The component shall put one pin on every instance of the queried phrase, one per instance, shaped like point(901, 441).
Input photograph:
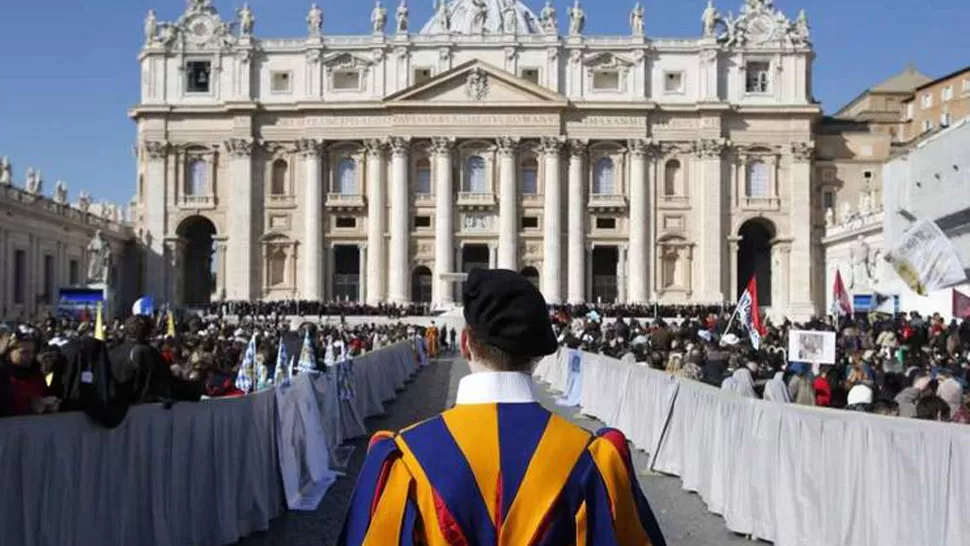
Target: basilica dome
point(481, 17)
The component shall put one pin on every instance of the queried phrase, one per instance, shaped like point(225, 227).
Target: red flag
point(755, 320)
point(841, 305)
point(961, 305)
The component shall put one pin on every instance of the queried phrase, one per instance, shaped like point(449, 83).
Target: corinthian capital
point(442, 145)
point(551, 145)
point(578, 147)
point(803, 151)
point(239, 147)
point(375, 146)
point(710, 148)
point(155, 149)
point(506, 145)
point(400, 145)
point(640, 147)
point(307, 147)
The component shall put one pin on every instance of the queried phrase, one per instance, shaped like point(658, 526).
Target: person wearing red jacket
point(28, 390)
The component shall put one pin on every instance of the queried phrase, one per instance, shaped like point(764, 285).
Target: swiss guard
point(498, 468)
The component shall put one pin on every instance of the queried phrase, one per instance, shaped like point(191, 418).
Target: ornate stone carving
point(803, 151)
point(400, 145)
point(551, 145)
point(510, 24)
point(441, 145)
point(708, 56)
point(548, 19)
point(400, 52)
point(477, 222)
point(6, 171)
point(314, 55)
point(711, 20)
point(640, 147)
point(314, 21)
point(375, 146)
point(576, 55)
point(378, 18)
point(239, 147)
point(246, 20)
point(476, 84)
point(402, 17)
point(307, 147)
point(760, 23)
point(577, 19)
point(710, 148)
point(511, 53)
point(60, 192)
point(637, 20)
point(155, 149)
point(578, 147)
point(84, 201)
point(552, 53)
point(799, 32)
point(506, 145)
point(377, 54)
point(33, 183)
point(244, 54)
point(151, 27)
point(444, 53)
point(99, 258)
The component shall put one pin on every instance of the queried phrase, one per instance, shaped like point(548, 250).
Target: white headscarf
point(776, 391)
point(741, 383)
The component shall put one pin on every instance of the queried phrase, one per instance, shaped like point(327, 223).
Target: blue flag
point(244, 379)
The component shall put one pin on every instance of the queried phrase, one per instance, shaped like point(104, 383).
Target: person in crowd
point(776, 391)
point(932, 408)
point(910, 397)
point(27, 391)
point(860, 398)
point(498, 463)
point(741, 383)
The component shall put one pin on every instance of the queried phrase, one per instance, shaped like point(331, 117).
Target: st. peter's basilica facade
point(375, 167)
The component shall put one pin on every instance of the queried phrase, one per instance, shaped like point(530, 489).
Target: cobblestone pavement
point(683, 516)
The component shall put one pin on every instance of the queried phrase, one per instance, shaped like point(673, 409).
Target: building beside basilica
point(607, 168)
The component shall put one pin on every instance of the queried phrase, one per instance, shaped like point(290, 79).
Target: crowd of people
point(319, 309)
point(65, 365)
point(907, 365)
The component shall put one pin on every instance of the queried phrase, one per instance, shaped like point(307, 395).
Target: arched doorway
point(421, 285)
point(754, 257)
point(532, 274)
point(198, 266)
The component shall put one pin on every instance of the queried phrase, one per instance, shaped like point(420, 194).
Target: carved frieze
point(710, 148)
point(477, 221)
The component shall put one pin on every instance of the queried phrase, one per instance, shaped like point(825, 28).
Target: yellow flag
point(99, 325)
point(170, 325)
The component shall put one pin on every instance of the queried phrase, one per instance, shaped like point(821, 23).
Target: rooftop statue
point(637, 20)
point(378, 18)
point(577, 19)
point(246, 20)
point(402, 17)
point(6, 174)
point(314, 20)
point(477, 17)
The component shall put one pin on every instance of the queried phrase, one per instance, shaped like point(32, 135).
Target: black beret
point(506, 311)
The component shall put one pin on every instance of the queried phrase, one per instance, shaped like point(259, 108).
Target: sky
point(69, 70)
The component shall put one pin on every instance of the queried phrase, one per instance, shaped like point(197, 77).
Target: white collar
point(496, 388)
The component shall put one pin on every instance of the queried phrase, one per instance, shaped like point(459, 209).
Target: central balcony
point(606, 202)
point(345, 201)
point(196, 202)
point(476, 200)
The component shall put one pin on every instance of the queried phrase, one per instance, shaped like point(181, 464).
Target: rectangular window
point(346, 222)
point(280, 82)
point(909, 111)
point(19, 276)
point(828, 200)
point(947, 93)
point(421, 75)
point(945, 119)
point(74, 273)
point(966, 85)
point(927, 125)
point(605, 223)
point(531, 74)
point(48, 279)
point(673, 82)
point(926, 101)
point(530, 222)
point(606, 80)
point(422, 222)
point(346, 80)
point(756, 77)
point(198, 76)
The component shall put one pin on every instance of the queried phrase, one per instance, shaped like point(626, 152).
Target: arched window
point(278, 181)
point(672, 174)
point(347, 176)
point(529, 175)
point(277, 267)
point(196, 179)
point(423, 180)
point(475, 181)
point(604, 182)
point(759, 179)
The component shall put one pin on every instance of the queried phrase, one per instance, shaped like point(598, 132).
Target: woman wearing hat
point(498, 468)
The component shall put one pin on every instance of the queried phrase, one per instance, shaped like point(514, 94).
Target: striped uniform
point(510, 474)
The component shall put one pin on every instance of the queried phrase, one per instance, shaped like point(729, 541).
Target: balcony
point(282, 201)
point(196, 202)
point(606, 202)
point(760, 203)
point(476, 200)
point(345, 201)
point(424, 199)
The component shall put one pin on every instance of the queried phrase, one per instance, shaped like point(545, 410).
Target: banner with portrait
point(573, 394)
point(925, 259)
point(811, 346)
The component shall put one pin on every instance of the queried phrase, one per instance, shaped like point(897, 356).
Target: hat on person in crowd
point(860, 394)
point(506, 311)
point(730, 340)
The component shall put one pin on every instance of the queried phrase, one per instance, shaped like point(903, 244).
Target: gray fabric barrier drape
point(198, 474)
point(793, 475)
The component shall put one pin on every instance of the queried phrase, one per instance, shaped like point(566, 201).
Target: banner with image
point(573, 394)
point(925, 259)
point(810, 346)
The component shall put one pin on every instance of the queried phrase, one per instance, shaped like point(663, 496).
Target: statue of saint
point(710, 18)
point(800, 33)
point(151, 26)
point(829, 217)
point(99, 258)
point(33, 183)
point(479, 15)
point(510, 23)
point(60, 192)
point(547, 17)
point(6, 171)
point(246, 20)
point(314, 20)
point(577, 19)
point(402, 17)
point(378, 18)
point(636, 20)
point(443, 16)
point(84, 201)
point(861, 255)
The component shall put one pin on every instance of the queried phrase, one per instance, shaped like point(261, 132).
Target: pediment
point(476, 82)
point(606, 60)
point(346, 61)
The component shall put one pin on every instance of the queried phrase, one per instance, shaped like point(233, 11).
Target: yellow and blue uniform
point(509, 474)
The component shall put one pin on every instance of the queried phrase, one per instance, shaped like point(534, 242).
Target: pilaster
point(156, 280)
point(710, 217)
point(802, 304)
point(242, 282)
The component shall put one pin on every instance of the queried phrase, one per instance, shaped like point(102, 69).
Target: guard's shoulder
point(382, 441)
point(614, 438)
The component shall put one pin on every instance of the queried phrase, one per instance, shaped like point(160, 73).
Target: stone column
point(444, 208)
point(400, 230)
point(552, 215)
point(639, 224)
point(508, 205)
point(330, 288)
point(221, 267)
point(376, 210)
point(241, 285)
point(156, 272)
point(799, 276)
point(781, 261)
point(493, 256)
point(710, 219)
point(362, 267)
point(576, 219)
point(588, 264)
point(312, 286)
point(622, 277)
point(733, 243)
